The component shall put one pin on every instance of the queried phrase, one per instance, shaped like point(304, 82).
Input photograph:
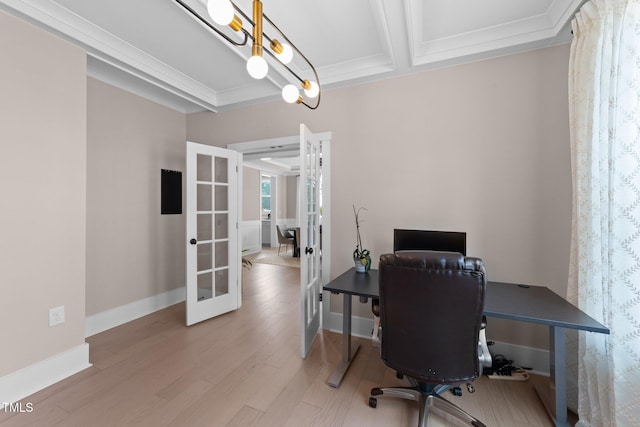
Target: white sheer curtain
point(604, 277)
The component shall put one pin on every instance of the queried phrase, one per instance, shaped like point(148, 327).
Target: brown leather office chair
point(431, 306)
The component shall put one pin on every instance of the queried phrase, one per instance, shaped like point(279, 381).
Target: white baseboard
point(100, 322)
point(534, 358)
point(27, 381)
point(360, 326)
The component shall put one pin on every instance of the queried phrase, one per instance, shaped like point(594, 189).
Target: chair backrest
point(281, 237)
point(431, 305)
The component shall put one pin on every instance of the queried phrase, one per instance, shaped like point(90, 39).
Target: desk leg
point(557, 406)
point(348, 351)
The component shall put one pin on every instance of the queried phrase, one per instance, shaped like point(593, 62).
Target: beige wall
point(133, 252)
point(250, 194)
point(480, 147)
point(204, 131)
point(292, 197)
point(281, 198)
point(42, 183)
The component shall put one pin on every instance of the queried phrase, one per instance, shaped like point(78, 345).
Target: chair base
point(427, 396)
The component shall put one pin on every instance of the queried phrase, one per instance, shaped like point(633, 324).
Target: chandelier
point(225, 12)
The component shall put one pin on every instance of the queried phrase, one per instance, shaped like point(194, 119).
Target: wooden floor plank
point(303, 414)
point(246, 417)
point(184, 396)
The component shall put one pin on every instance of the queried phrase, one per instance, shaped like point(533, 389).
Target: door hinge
point(320, 296)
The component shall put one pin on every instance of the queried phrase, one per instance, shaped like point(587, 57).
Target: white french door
point(213, 255)
point(309, 217)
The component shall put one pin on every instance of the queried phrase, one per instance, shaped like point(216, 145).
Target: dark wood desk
point(534, 304)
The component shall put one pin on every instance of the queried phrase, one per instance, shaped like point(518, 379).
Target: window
point(265, 195)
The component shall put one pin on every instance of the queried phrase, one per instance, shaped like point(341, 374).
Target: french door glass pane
point(205, 231)
point(221, 170)
point(205, 286)
point(203, 198)
point(203, 168)
point(222, 282)
point(205, 256)
point(222, 198)
point(222, 254)
point(222, 226)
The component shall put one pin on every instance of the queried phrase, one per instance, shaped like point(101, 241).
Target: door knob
point(193, 241)
point(308, 250)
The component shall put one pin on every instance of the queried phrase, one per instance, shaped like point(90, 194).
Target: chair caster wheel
point(399, 375)
point(373, 402)
point(456, 391)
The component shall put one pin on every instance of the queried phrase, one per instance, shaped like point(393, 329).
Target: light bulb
point(257, 67)
point(221, 11)
point(287, 54)
point(290, 93)
point(313, 91)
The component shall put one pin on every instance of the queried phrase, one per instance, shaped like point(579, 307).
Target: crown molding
point(107, 48)
point(536, 31)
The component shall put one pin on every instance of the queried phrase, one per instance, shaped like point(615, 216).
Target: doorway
point(282, 156)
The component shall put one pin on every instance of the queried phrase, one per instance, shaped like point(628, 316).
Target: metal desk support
point(348, 350)
point(350, 283)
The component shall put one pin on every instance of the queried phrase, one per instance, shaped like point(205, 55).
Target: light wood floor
point(244, 369)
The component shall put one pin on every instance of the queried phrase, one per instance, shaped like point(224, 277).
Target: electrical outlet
point(56, 316)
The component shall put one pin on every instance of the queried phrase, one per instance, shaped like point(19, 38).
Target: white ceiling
point(155, 49)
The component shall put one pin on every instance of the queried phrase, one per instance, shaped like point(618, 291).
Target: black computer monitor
point(430, 240)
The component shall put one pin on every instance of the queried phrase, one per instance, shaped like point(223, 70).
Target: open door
point(213, 255)
point(309, 217)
